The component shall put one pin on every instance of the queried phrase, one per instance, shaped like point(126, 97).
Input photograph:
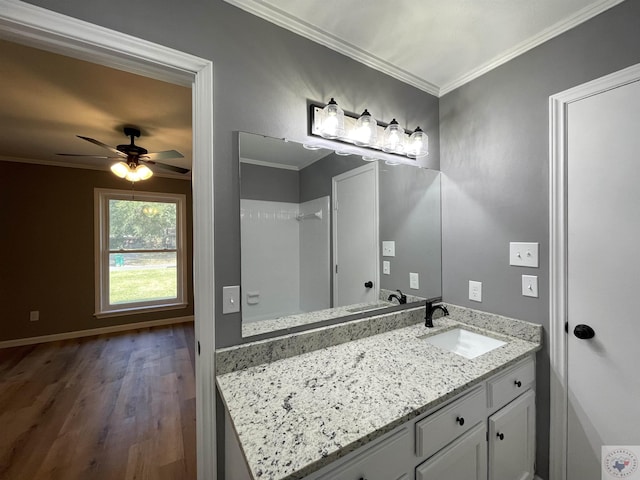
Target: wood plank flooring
point(117, 406)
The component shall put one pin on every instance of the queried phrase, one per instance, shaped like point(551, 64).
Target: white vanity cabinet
point(512, 440)
point(487, 433)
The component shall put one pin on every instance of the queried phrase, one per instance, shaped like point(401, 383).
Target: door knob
point(368, 284)
point(584, 332)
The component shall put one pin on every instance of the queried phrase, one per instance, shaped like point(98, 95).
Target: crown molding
point(293, 24)
point(559, 28)
point(304, 29)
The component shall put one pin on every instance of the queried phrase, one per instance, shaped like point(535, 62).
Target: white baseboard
point(18, 342)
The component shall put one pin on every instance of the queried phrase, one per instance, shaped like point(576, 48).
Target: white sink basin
point(464, 342)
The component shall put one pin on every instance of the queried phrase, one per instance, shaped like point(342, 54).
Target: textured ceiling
point(47, 99)
point(435, 45)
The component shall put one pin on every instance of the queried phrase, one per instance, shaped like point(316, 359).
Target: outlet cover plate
point(388, 249)
point(386, 267)
point(231, 299)
point(475, 291)
point(523, 254)
point(530, 286)
point(414, 281)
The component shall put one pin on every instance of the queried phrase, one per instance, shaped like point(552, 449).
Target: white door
point(355, 236)
point(603, 231)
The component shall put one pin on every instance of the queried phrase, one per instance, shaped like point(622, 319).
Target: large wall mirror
point(328, 236)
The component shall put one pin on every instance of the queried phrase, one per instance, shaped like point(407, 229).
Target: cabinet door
point(466, 458)
point(512, 440)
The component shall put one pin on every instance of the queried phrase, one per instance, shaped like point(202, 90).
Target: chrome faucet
point(402, 299)
point(430, 308)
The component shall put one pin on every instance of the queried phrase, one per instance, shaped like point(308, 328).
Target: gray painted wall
point(263, 78)
point(410, 216)
point(494, 135)
point(267, 183)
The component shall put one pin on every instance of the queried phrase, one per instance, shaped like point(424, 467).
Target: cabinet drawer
point(507, 386)
point(447, 424)
point(387, 460)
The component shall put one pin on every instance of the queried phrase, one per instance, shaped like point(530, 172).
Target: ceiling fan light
point(418, 144)
point(120, 169)
point(332, 121)
point(143, 172)
point(366, 131)
point(393, 138)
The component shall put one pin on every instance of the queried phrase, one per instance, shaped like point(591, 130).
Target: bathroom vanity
point(382, 403)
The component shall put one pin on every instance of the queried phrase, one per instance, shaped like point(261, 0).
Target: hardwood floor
point(118, 406)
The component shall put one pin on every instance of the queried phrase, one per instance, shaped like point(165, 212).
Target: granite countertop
point(295, 415)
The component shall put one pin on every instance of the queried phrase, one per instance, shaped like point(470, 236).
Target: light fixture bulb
point(366, 131)
point(393, 139)
point(144, 172)
point(332, 121)
point(120, 169)
point(418, 144)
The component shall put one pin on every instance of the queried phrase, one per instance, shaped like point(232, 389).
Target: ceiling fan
point(133, 159)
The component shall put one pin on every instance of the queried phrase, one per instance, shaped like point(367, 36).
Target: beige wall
point(47, 245)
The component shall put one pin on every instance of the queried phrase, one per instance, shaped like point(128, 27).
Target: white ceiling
point(434, 45)
point(277, 152)
point(47, 99)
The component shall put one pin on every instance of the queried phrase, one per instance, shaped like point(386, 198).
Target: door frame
point(334, 224)
point(558, 106)
point(41, 28)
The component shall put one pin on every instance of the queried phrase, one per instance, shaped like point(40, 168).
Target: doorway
point(47, 30)
point(594, 227)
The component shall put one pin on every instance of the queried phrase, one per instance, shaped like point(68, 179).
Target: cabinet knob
point(500, 436)
point(460, 420)
point(517, 383)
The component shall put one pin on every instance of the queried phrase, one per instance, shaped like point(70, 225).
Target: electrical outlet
point(414, 281)
point(386, 267)
point(388, 249)
point(475, 291)
point(34, 315)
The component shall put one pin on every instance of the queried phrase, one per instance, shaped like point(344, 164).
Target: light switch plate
point(386, 267)
point(231, 299)
point(414, 281)
point(475, 291)
point(388, 249)
point(523, 254)
point(530, 286)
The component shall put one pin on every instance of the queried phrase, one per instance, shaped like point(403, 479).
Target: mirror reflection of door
point(355, 236)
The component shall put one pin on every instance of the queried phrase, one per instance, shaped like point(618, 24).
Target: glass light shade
point(418, 145)
point(366, 130)
point(141, 172)
point(393, 139)
point(332, 121)
point(368, 158)
point(120, 169)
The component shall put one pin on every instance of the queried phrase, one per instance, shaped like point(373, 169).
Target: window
point(140, 251)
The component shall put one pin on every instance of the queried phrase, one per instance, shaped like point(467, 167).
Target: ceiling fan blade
point(103, 145)
point(87, 156)
point(167, 154)
point(164, 166)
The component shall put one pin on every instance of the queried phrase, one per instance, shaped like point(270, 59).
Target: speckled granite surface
point(297, 414)
point(497, 323)
point(282, 323)
point(285, 346)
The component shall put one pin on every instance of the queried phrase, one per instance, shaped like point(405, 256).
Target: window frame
point(103, 308)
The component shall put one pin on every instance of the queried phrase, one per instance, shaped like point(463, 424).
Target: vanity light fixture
point(332, 121)
point(393, 139)
point(364, 132)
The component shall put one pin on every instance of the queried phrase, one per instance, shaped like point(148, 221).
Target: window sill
point(139, 310)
